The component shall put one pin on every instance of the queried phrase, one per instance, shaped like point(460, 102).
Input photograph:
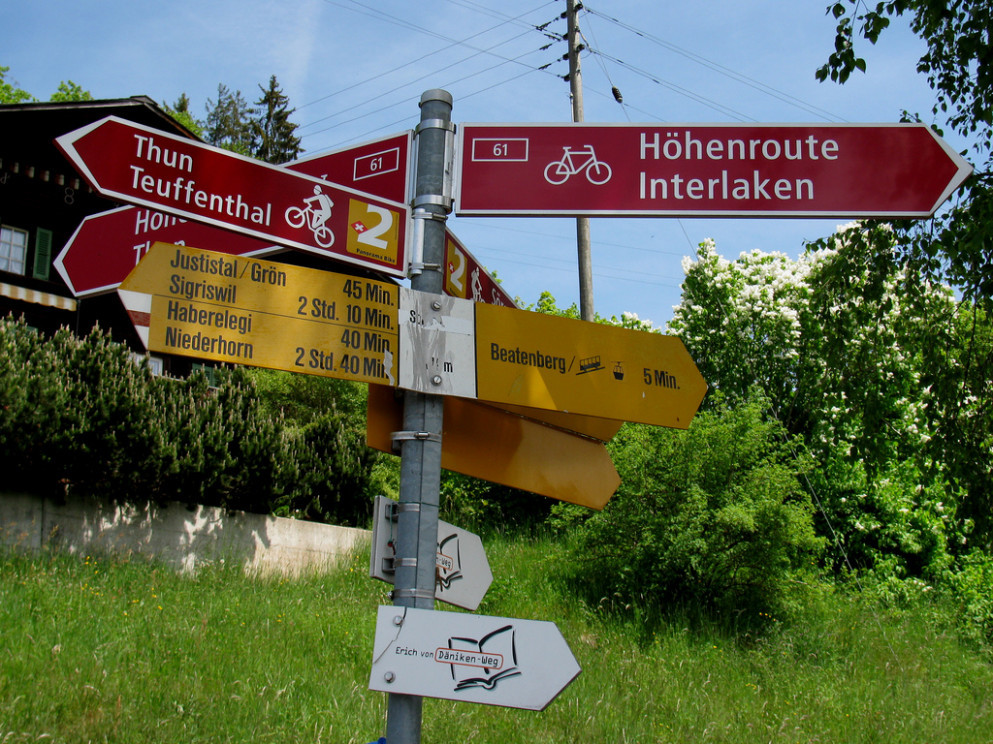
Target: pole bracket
point(417, 436)
point(398, 507)
point(413, 593)
point(436, 200)
point(419, 267)
point(445, 124)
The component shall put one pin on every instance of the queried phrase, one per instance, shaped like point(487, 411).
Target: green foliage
point(970, 586)
point(956, 245)
point(330, 479)
point(485, 508)
point(958, 62)
point(75, 412)
point(302, 399)
point(546, 305)
point(877, 370)
point(905, 373)
point(714, 516)
point(273, 129)
point(9, 93)
point(69, 91)
point(959, 387)
point(742, 323)
point(331, 475)
point(897, 525)
point(81, 414)
point(180, 111)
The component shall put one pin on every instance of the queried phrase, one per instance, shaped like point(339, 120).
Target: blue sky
point(355, 69)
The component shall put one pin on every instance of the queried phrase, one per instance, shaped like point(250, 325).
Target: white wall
point(177, 535)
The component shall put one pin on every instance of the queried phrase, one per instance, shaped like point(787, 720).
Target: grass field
point(98, 649)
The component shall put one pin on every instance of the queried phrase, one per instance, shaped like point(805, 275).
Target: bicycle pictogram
point(559, 171)
point(314, 215)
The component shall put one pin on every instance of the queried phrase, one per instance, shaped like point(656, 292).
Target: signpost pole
point(420, 440)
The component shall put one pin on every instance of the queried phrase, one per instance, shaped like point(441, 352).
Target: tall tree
point(957, 244)
point(229, 122)
point(275, 141)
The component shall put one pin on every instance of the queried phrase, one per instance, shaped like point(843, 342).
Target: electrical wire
point(411, 82)
point(614, 90)
point(686, 92)
point(488, 10)
point(366, 10)
point(407, 99)
point(721, 69)
point(406, 65)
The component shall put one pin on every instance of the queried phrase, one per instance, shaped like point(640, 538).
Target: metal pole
point(420, 443)
point(582, 223)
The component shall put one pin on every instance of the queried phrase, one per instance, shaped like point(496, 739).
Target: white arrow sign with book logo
point(462, 573)
point(473, 658)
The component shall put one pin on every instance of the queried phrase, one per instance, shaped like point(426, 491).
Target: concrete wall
point(177, 535)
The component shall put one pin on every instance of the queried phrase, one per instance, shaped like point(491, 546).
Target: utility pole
point(420, 440)
point(582, 223)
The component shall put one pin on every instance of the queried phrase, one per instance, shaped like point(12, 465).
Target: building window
point(13, 249)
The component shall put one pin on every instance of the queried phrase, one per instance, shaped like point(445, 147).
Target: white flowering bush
point(865, 365)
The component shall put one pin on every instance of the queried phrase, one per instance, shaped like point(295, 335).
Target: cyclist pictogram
point(577, 161)
point(314, 215)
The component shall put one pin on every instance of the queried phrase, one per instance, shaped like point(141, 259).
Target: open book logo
point(482, 662)
point(449, 562)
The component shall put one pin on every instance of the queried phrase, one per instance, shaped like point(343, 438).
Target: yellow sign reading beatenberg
point(560, 364)
point(264, 314)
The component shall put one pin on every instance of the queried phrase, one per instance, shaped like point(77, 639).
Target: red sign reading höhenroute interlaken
point(705, 170)
point(144, 166)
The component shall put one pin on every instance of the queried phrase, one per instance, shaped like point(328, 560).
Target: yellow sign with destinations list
point(264, 314)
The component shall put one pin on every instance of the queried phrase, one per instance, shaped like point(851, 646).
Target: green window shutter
point(42, 253)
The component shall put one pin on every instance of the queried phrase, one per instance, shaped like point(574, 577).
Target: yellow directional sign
point(246, 311)
point(560, 364)
point(502, 447)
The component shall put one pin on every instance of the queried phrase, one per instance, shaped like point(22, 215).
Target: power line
point(488, 10)
point(411, 82)
point(381, 15)
point(407, 99)
point(407, 65)
point(686, 92)
point(721, 69)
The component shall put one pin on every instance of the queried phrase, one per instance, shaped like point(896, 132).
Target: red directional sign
point(698, 170)
point(465, 277)
point(189, 179)
point(107, 246)
point(380, 167)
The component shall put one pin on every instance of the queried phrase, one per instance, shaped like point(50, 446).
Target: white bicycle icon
point(559, 171)
point(314, 215)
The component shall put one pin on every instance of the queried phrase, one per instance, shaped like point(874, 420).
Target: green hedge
point(81, 414)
